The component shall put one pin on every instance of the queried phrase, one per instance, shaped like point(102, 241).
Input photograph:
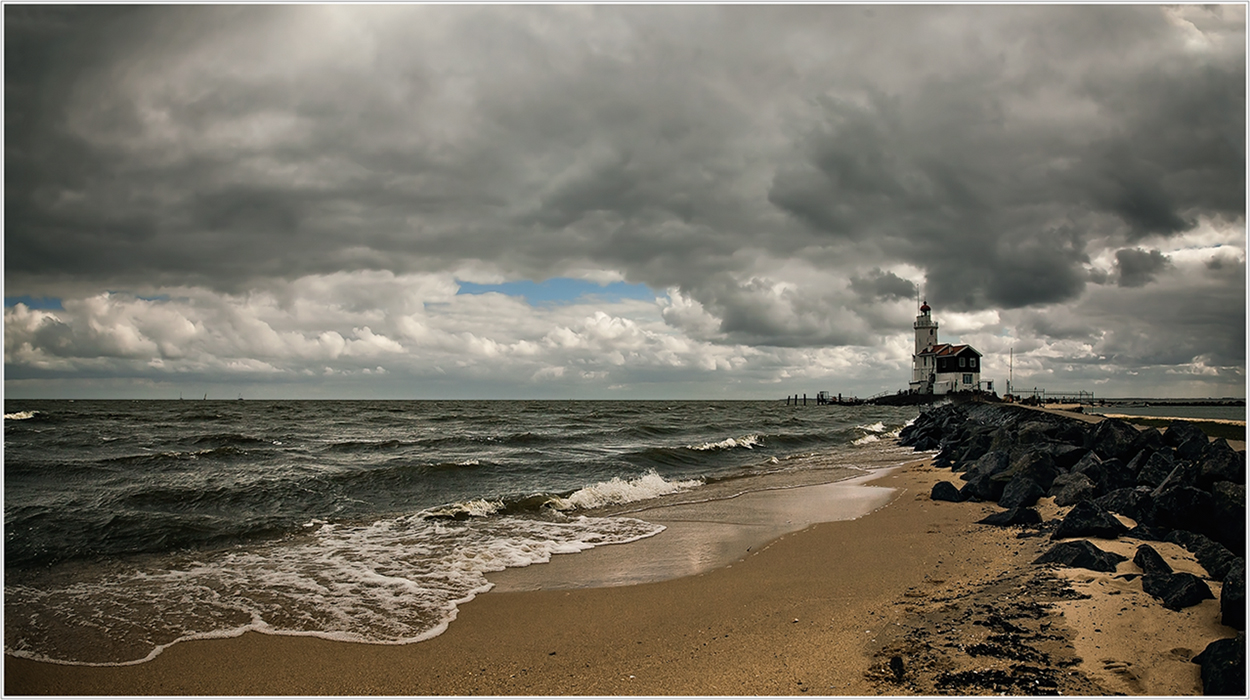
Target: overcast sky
point(620, 201)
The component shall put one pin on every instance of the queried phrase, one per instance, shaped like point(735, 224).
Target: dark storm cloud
point(1138, 267)
point(883, 285)
point(994, 149)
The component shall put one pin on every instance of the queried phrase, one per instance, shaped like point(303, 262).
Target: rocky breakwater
point(1175, 485)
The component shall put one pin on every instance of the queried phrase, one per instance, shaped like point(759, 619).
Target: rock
point(1021, 492)
point(1219, 462)
point(1087, 460)
point(1069, 489)
point(1129, 502)
point(945, 491)
point(1233, 595)
point(1150, 562)
point(1087, 519)
point(1191, 450)
point(1150, 440)
point(1035, 432)
point(1075, 433)
point(1039, 467)
point(981, 484)
point(1146, 532)
point(1180, 432)
point(976, 445)
point(1184, 473)
point(1113, 438)
point(1082, 554)
point(1155, 469)
point(896, 667)
point(1211, 555)
point(1178, 590)
point(1227, 523)
point(1223, 665)
point(1182, 508)
point(1107, 475)
point(1012, 516)
point(1066, 455)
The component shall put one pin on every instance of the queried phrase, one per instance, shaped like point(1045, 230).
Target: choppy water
point(130, 526)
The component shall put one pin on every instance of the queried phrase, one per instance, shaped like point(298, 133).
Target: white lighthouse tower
point(926, 337)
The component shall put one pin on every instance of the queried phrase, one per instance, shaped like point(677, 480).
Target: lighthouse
point(941, 368)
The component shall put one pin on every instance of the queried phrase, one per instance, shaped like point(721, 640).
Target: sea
point(133, 525)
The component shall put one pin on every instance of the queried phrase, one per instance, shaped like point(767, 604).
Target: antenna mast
point(1011, 366)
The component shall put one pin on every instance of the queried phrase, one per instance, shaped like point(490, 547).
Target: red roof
point(947, 350)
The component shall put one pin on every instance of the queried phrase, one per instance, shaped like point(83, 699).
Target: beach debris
point(1223, 665)
point(1087, 519)
point(1233, 596)
point(1081, 554)
point(945, 491)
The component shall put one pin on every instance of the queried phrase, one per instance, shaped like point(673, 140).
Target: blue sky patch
point(34, 303)
point(561, 290)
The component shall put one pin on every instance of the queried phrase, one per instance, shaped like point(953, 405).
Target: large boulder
point(1082, 554)
point(1150, 562)
point(1108, 474)
point(1211, 555)
point(1191, 450)
point(1021, 492)
point(1149, 439)
point(1228, 515)
point(1129, 502)
point(1183, 508)
point(1219, 462)
point(1074, 432)
point(981, 484)
point(1233, 595)
point(1069, 489)
point(945, 491)
point(1184, 473)
point(1012, 516)
point(1177, 590)
point(1223, 665)
point(1181, 431)
point(1114, 438)
point(1086, 519)
point(1155, 468)
point(1038, 467)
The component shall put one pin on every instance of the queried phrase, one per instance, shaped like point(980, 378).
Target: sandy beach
point(819, 611)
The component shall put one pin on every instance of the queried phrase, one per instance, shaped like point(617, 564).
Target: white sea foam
point(393, 581)
point(21, 415)
point(874, 433)
point(747, 441)
point(618, 491)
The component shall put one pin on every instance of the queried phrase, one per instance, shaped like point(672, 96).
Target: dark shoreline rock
point(1081, 554)
point(1223, 665)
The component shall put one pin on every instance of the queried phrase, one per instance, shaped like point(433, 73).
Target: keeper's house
point(941, 368)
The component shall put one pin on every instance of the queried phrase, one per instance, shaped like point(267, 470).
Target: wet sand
point(818, 611)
